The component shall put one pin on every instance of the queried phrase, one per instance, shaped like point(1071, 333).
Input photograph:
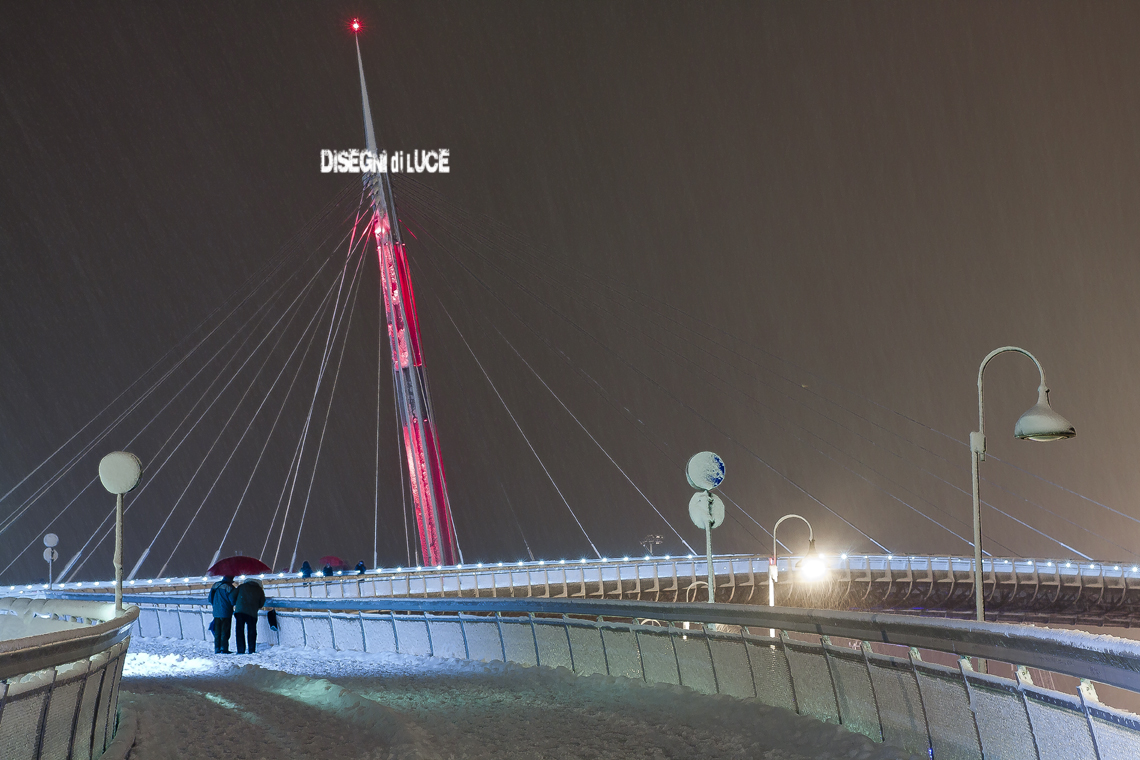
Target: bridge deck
point(1016, 589)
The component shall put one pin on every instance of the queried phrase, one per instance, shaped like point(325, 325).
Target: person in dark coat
point(222, 599)
point(306, 569)
point(327, 571)
point(360, 568)
point(249, 601)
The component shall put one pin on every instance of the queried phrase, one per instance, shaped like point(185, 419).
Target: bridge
point(1017, 589)
point(830, 647)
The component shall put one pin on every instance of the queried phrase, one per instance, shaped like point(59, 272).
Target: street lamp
point(119, 472)
point(811, 564)
point(1040, 423)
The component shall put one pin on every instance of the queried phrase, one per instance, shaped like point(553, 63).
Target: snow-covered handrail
point(63, 684)
point(32, 653)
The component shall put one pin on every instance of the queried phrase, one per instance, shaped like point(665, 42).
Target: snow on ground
point(294, 704)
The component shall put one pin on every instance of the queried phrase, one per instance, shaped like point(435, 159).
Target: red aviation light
point(355, 25)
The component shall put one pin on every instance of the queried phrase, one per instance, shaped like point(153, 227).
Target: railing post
point(865, 648)
point(332, 631)
point(78, 706)
point(677, 660)
point(427, 625)
point(602, 638)
point(534, 635)
point(502, 642)
point(748, 657)
point(712, 660)
point(916, 658)
point(824, 643)
point(463, 632)
point(363, 635)
point(569, 641)
point(1023, 680)
point(1087, 692)
point(44, 712)
point(791, 676)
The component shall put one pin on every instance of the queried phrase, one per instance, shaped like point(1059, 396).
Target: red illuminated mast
point(421, 444)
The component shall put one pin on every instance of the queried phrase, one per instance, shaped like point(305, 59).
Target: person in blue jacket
point(222, 599)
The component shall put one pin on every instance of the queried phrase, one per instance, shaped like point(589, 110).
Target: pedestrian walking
point(249, 601)
point(222, 600)
point(306, 569)
point(360, 568)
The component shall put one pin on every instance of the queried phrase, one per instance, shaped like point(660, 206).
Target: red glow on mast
point(355, 25)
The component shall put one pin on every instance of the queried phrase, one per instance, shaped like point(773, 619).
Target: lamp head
point(812, 564)
point(1041, 423)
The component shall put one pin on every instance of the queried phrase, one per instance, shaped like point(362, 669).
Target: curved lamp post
point(810, 563)
point(1040, 423)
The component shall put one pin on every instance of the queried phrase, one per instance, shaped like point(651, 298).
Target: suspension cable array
point(234, 420)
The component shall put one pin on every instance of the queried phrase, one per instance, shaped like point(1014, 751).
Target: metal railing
point(59, 690)
point(900, 679)
point(1054, 591)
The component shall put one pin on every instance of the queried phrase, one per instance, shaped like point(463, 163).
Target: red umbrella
point(239, 566)
point(336, 563)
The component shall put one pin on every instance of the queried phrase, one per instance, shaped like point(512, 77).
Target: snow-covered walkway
point(288, 704)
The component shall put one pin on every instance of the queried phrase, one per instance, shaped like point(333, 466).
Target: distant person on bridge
point(306, 569)
point(360, 568)
point(222, 599)
point(327, 571)
point(249, 601)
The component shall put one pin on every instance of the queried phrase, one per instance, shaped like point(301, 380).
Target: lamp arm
point(1042, 390)
point(811, 533)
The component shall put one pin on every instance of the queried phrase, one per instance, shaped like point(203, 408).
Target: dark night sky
point(876, 194)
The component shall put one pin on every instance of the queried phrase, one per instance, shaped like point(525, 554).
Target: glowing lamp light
point(812, 564)
point(355, 25)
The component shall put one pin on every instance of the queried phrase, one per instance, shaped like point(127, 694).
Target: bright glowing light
point(843, 556)
point(542, 562)
point(625, 559)
point(500, 564)
point(355, 25)
point(280, 575)
point(1133, 568)
point(583, 560)
point(1117, 567)
point(562, 562)
point(460, 565)
point(1068, 564)
point(520, 563)
point(479, 564)
point(668, 557)
point(812, 566)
